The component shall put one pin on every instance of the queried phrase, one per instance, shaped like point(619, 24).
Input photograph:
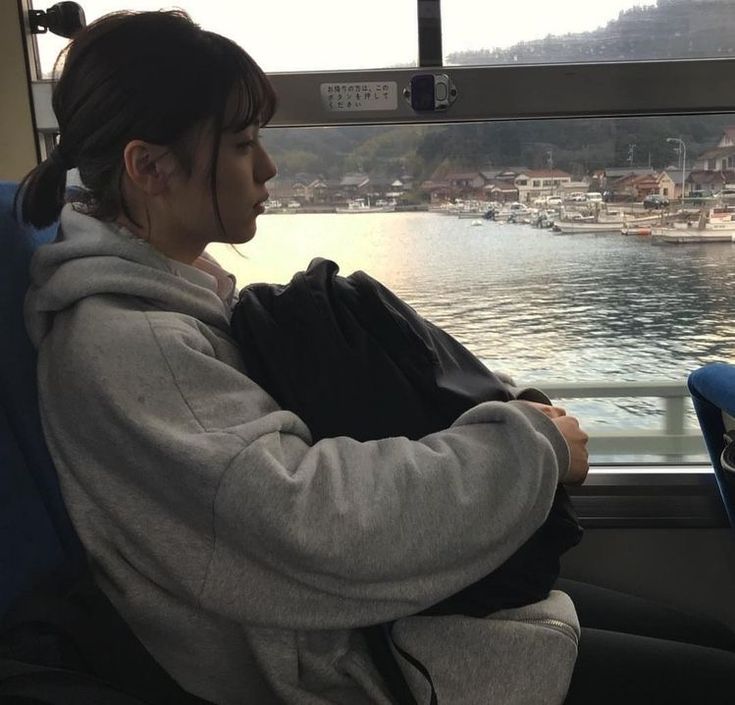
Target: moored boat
point(359, 205)
point(716, 224)
point(610, 224)
point(693, 235)
point(569, 227)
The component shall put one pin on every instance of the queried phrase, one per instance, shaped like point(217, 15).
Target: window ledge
point(636, 496)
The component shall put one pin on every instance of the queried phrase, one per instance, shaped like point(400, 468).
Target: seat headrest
point(37, 538)
point(11, 229)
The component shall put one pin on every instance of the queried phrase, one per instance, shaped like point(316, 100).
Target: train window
point(537, 280)
point(533, 32)
point(307, 36)
point(608, 324)
point(538, 32)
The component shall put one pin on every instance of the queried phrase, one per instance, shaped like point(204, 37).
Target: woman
point(243, 555)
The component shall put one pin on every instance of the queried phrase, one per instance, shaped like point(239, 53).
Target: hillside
point(671, 29)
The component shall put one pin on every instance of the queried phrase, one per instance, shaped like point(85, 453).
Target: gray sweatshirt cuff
point(525, 393)
point(529, 394)
point(545, 426)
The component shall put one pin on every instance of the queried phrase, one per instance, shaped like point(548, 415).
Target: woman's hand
point(576, 440)
point(552, 412)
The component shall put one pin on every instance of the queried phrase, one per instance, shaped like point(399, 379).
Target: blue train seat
point(713, 394)
point(37, 540)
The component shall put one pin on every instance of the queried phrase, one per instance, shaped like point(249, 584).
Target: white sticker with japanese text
point(350, 97)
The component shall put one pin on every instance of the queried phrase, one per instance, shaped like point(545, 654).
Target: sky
point(298, 35)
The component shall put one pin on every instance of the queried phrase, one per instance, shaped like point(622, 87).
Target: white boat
point(693, 235)
point(567, 227)
point(477, 221)
point(443, 208)
point(514, 213)
point(358, 205)
point(716, 224)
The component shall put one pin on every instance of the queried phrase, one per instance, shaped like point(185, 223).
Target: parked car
point(655, 201)
point(593, 197)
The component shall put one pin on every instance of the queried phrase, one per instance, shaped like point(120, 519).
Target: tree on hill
point(671, 29)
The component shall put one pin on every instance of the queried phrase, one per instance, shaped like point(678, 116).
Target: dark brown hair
point(151, 76)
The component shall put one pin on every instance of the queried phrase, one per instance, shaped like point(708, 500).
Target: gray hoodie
point(242, 554)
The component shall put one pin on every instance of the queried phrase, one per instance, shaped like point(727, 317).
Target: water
point(544, 307)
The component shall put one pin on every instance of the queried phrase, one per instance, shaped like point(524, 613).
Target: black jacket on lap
point(351, 359)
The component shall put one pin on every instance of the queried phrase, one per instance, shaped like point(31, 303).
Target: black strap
point(421, 668)
point(379, 639)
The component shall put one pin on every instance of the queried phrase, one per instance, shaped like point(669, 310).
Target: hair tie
point(60, 157)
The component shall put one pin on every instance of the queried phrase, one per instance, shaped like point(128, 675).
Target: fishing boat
point(680, 236)
point(611, 224)
point(359, 205)
point(569, 227)
point(716, 224)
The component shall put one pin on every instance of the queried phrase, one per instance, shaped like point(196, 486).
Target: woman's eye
point(245, 146)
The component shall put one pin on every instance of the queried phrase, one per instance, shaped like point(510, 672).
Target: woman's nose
point(266, 168)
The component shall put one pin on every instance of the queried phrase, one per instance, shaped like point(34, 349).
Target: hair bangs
point(253, 98)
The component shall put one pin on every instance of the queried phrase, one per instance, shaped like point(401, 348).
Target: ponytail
point(41, 194)
point(179, 78)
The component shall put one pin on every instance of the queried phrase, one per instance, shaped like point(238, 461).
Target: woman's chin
point(243, 232)
point(247, 234)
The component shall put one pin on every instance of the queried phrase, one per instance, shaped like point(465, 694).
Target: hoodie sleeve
point(176, 463)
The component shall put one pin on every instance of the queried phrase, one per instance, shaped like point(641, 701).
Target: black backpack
point(350, 358)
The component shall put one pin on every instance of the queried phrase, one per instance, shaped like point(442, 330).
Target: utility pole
point(683, 153)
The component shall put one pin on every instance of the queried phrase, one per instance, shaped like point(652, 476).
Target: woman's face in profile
point(243, 168)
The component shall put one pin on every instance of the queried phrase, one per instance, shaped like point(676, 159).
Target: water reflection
point(542, 306)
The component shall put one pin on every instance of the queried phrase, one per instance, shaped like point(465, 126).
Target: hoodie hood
point(94, 257)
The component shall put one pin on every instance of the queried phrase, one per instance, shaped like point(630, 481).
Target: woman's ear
point(148, 166)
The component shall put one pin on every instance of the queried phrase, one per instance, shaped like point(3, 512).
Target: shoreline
point(423, 208)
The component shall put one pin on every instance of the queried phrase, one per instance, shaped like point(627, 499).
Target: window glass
point(541, 32)
point(584, 306)
point(288, 36)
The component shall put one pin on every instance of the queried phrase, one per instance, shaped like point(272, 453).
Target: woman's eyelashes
point(245, 145)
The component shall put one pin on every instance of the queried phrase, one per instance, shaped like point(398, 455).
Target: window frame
point(615, 496)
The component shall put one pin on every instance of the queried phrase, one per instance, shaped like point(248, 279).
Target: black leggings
point(637, 652)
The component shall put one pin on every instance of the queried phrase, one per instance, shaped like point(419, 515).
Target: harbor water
point(541, 306)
